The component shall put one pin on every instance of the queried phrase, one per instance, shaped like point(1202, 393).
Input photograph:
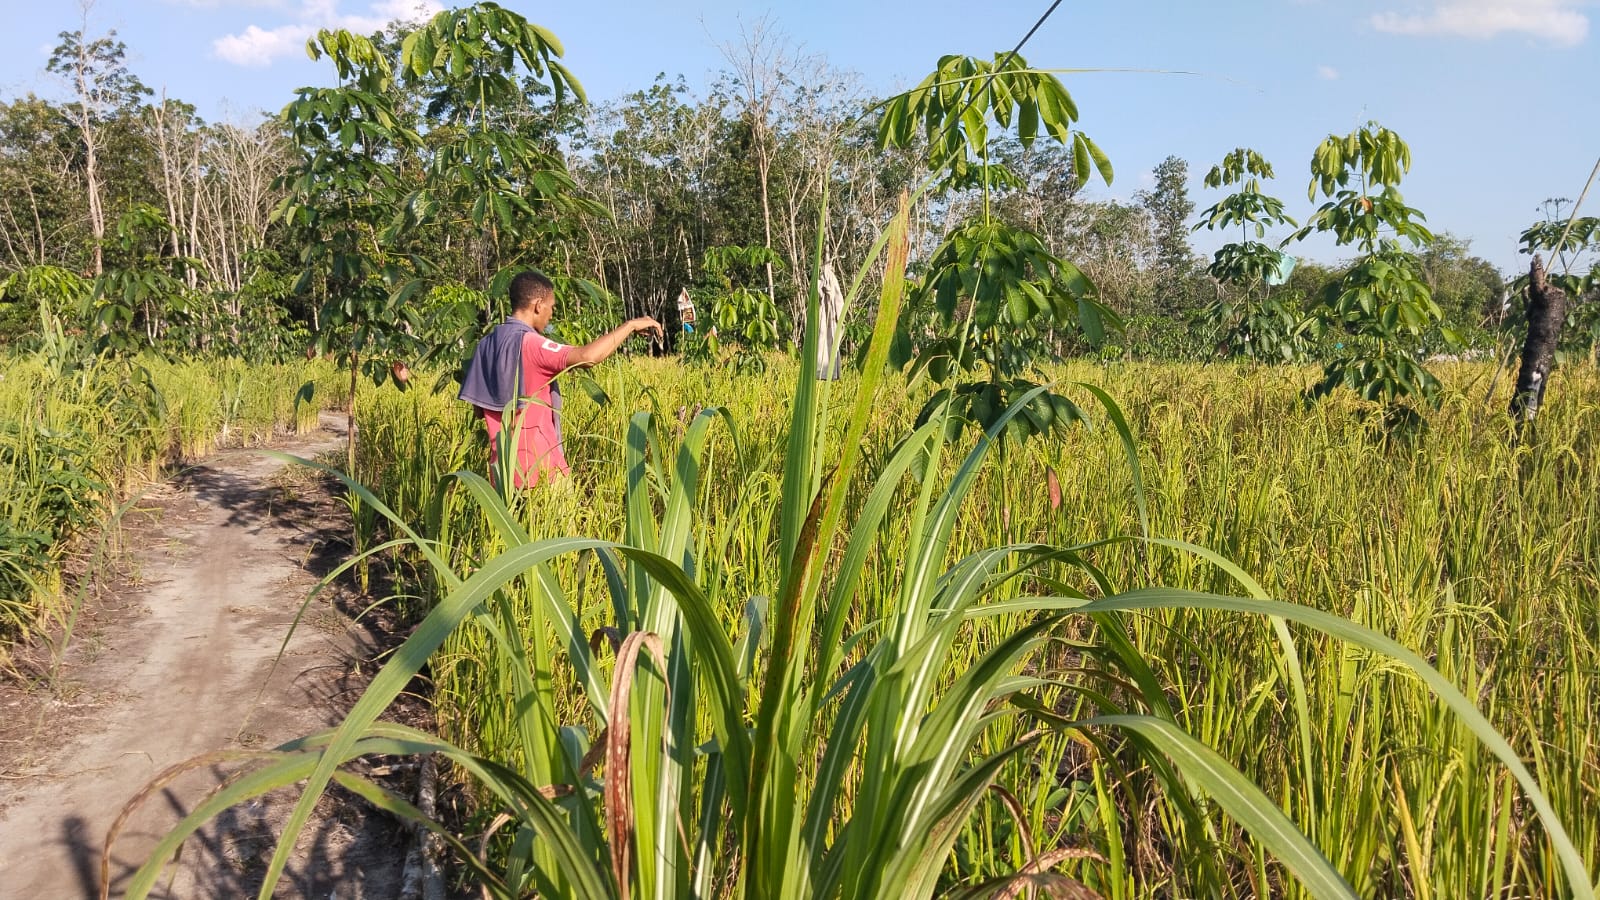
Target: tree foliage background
point(490, 165)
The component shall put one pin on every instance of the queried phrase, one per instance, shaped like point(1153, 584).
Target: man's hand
point(646, 323)
point(603, 346)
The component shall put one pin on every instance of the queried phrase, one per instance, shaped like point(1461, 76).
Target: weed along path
point(174, 659)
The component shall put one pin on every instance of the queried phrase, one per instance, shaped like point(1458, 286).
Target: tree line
point(380, 215)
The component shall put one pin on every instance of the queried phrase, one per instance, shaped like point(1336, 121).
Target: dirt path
point(169, 666)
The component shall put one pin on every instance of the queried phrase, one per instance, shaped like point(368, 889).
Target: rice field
point(786, 638)
point(1478, 553)
point(1212, 641)
point(78, 440)
point(1014, 580)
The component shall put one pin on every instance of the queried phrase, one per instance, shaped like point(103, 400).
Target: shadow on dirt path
point(177, 661)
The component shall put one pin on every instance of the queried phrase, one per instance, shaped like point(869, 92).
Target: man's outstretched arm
point(601, 348)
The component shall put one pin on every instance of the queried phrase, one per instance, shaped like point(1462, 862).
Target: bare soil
point(174, 658)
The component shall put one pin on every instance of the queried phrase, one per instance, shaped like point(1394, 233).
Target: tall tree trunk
point(91, 156)
point(38, 226)
point(764, 169)
point(192, 275)
point(170, 178)
point(1547, 312)
point(760, 61)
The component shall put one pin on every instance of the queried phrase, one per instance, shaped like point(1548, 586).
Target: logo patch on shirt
point(552, 346)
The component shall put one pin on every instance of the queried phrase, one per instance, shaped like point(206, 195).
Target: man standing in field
point(518, 347)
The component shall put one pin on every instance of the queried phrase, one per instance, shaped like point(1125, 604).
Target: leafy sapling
point(1248, 320)
point(1381, 307)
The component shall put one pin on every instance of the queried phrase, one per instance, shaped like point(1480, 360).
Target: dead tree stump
point(1547, 312)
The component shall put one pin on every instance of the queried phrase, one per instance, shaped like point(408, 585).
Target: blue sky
point(1494, 96)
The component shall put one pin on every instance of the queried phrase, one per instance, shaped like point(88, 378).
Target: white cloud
point(1557, 21)
point(1327, 73)
point(257, 46)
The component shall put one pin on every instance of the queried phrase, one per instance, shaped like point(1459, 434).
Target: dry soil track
point(174, 662)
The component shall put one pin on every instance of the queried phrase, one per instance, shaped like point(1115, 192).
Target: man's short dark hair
point(528, 287)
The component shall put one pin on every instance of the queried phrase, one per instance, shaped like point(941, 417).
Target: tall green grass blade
point(1291, 653)
point(948, 731)
point(641, 528)
point(661, 865)
point(1344, 629)
point(398, 807)
point(917, 874)
point(278, 773)
point(862, 538)
point(1241, 799)
point(799, 464)
point(407, 660)
point(1130, 448)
